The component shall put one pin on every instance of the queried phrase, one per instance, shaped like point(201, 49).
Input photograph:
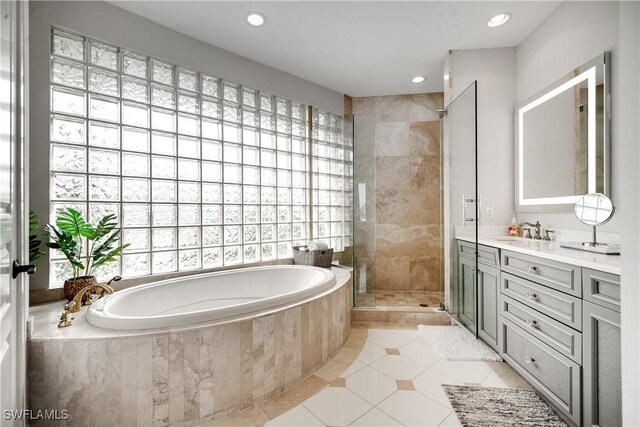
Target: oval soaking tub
point(208, 297)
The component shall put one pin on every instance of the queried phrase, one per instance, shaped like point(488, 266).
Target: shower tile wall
point(405, 158)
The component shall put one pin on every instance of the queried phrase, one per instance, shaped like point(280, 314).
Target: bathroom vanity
point(553, 314)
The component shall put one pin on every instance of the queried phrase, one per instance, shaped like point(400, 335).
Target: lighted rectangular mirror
point(563, 138)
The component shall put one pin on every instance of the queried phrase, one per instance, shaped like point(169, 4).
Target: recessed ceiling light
point(499, 19)
point(418, 79)
point(256, 19)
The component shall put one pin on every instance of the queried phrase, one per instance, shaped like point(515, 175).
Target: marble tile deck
point(391, 379)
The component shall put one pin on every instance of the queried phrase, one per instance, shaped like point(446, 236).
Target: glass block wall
point(201, 172)
point(332, 180)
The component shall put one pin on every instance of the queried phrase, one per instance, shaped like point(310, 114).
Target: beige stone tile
point(424, 138)
point(424, 106)
point(248, 418)
point(340, 363)
point(405, 385)
point(424, 173)
point(392, 351)
point(392, 139)
point(411, 241)
point(408, 207)
point(294, 396)
point(357, 339)
point(425, 274)
point(338, 382)
point(392, 273)
point(393, 108)
point(392, 173)
point(364, 105)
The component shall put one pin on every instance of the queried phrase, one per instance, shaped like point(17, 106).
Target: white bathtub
point(208, 297)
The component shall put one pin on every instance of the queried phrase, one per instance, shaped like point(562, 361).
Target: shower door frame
point(451, 299)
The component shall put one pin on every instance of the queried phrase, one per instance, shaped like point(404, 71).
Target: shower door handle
point(465, 200)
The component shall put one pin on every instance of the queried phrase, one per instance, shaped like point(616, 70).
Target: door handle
point(19, 268)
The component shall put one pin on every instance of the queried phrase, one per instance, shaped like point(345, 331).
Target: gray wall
point(110, 23)
point(495, 71)
point(572, 35)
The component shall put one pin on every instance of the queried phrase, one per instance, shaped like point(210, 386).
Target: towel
point(317, 246)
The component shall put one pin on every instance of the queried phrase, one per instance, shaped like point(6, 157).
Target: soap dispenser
point(514, 228)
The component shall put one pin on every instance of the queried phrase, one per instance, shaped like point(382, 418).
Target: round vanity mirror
point(594, 209)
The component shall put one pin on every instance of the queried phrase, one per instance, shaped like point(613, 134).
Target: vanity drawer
point(557, 305)
point(486, 254)
point(562, 338)
point(552, 374)
point(601, 288)
point(556, 275)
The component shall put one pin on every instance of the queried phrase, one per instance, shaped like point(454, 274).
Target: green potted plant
point(34, 242)
point(68, 235)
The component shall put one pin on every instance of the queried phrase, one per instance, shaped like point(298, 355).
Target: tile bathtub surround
point(188, 377)
point(406, 163)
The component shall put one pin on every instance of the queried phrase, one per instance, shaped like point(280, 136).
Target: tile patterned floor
point(394, 381)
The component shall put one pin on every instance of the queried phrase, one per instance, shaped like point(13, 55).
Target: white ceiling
point(360, 48)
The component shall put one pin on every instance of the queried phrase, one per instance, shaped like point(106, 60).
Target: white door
point(13, 306)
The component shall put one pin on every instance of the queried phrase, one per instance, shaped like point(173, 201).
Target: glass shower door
point(364, 210)
point(461, 206)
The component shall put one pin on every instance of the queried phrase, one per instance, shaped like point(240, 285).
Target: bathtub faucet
point(76, 303)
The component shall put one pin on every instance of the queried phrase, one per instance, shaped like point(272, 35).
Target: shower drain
point(424, 305)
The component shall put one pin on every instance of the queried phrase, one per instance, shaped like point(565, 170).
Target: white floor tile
point(388, 339)
point(370, 353)
point(355, 367)
point(430, 383)
point(376, 418)
point(296, 417)
point(414, 409)
point(420, 353)
point(407, 333)
point(374, 331)
point(466, 372)
point(373, 386)
point(398, 367)
point(451, 421)
point(337, 406)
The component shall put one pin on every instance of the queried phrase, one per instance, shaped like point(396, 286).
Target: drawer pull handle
point(529, 360)
point(533, 269)
point(533, 297)
point(534, 324)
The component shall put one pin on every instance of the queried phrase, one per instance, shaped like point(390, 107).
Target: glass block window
point(332, 180)
point(201, 172)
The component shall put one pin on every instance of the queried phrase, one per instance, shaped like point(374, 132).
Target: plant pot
point(72, 286)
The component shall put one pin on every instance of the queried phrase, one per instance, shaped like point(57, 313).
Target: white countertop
point(551, 250)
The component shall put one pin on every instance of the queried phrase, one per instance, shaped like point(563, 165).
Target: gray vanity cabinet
point(557, 324)
point(602, 390)
point(488, 293)
point(466, 290)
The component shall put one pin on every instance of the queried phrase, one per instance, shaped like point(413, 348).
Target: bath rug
point(488, 406)
point(456, 343)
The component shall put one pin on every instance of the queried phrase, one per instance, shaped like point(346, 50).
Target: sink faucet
point(537, 226)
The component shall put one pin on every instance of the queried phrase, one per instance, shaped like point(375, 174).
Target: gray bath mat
point(456, 343)
point(487, 406)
